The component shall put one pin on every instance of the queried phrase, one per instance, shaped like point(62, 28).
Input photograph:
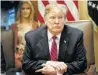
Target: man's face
point(55, 21)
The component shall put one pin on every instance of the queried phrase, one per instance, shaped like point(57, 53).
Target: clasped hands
point(53, 68)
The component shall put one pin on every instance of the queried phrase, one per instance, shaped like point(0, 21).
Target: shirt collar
point(50, 36)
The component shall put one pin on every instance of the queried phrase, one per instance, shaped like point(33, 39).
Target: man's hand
point(53, 67)
point(47, 69)
point(60, 67)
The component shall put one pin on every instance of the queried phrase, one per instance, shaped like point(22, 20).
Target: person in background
point(3, 62)
point(54, 49)
point(25, 22)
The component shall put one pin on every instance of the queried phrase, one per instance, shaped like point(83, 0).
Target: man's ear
point(45, 20)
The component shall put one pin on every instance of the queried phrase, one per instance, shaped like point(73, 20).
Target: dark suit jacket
point(72, 52)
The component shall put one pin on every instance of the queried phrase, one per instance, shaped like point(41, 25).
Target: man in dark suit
point(54, 49)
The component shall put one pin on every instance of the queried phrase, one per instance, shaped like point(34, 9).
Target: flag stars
point(97, 7)
point(93, 5)
point(90, 3)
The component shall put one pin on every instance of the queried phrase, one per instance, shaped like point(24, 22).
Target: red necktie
point(53, 53)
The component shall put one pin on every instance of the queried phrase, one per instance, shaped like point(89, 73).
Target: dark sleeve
point(80, 62)
point(29, 65)
point(3, 63)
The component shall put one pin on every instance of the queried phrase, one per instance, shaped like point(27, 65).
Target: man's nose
point(56, 20)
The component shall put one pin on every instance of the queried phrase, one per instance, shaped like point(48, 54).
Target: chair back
point(7, 39)
point(87, 28)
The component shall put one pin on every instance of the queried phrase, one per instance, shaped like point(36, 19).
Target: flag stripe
point(41, 9)
point(45, 2)
point(40, 17)
point(69, 15)
point(52, 1)
point(76, 3)
point(72, 5)
point(72, 8)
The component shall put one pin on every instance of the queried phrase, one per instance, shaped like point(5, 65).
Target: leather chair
point(7, 39)
point(87, 28)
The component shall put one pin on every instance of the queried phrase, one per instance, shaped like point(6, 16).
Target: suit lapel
point(65, 36)
point(63, 43)
point(44, 43)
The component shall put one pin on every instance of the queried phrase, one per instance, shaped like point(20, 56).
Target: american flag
point(72, 5)
point(93, 11)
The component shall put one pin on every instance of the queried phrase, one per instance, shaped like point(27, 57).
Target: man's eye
point(60, 17)
point(28, 8)
point(52, 17)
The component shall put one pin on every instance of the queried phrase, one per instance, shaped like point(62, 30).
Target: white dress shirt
point(50, 40)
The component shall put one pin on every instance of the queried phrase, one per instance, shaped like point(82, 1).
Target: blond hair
point(31, 17)
point(60, 7)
